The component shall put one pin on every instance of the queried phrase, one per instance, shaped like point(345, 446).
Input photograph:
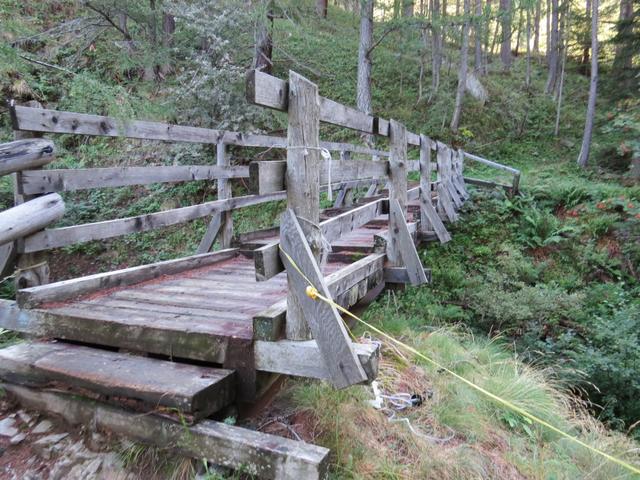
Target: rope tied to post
point(313, 293)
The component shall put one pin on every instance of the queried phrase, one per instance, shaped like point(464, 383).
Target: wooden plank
point(485, 183)
point(267, 258)
point(425, 183)
point(444, 200)
point(328, 330)
point(337, 114)
point(25, 154)
point(277, 357)
point(400, 275)
point(405, 246)
point(210, 235)
point(44, 181)
point(398, 163)
point(435, 221)
point(252, 452)
point(269, 323)
point(224, 192)
point(54, 121)
point(30, 217)
point(269, 176)
point(191, 389)
point(490, 163)
point(67, 289)
point(60, 237)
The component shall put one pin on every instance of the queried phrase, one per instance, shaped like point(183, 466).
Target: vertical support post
point(425, 182)
point(224, 192)
point(515, 186)
point(221, 223)
point(303, 183)
point(397, 184)
point(33, 267)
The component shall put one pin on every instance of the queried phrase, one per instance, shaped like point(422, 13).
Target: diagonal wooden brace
point(341, 361)
point(401, 244)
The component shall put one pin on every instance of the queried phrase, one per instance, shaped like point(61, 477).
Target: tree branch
point(104, 15)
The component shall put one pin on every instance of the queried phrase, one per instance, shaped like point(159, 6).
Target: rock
point(16, 439)
point(51, 439)
point(25, 417)
point(43, 427)
point(476, 89)
point(8, 427)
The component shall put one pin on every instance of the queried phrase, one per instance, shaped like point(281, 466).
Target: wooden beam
point(255, 453)
point(404, 244)
point(401, 275)
point(445, 203)
point(269, 324)
point(486, 183)
point(491, 163)
point(60, 237)
point(267, 258)
point(67, 289)
point(29, 217)
point(398, 163)
point(210, 235)
point(342, 364)
point(224, 192)
point(24, 154)
point(44, 181)
point(303, 359)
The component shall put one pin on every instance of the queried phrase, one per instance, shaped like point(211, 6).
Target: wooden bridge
point(185, 339)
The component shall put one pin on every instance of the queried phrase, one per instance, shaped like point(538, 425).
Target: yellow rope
point(312, 292)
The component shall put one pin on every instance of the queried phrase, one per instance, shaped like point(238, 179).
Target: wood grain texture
point(398, 163)
point(328, 330)
point(30, 217)
point(403, 244)
point(25, 154)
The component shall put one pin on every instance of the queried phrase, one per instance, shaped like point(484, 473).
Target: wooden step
point(195, 390)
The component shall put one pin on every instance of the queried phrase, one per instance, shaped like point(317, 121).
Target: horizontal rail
point(43, 181)
point(486, 183)
point(29, 217)
point(58, 121)
point(269, 91)
point(60, 237)
point(23, 154)
point(491, 163)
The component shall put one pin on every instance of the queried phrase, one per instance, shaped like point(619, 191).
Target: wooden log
point(25, 154)
point(303, 358)
point(30, 217)
point(44, 181)
point(398, 163)
point(342, 364)
point(404, 246)
point(67, 289)
point(259, 454)
point(303, 181)
point(60, 237)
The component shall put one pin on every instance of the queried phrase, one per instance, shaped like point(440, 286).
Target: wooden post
point(334, 344)
point(33, 268)
point(398, 163)
point(221, 223)
point(397, 185)
point(303, 183)
point(425, 182)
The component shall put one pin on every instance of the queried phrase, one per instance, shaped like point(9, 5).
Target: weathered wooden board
point(24, 154)
point(259, 454)
point(400, 275)
point(44, 181)
point(398, 163)
point(490, 163)
point(188, 388)
point(303, 358)
point(68, 289)
point(486, 183)
point(404, 246)
point(30, 217)
point(444, 201)
point(333, 341)
point(60, 237)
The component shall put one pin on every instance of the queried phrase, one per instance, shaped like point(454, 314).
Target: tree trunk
point(536, 29)
point(436, 59)
point(477, 61)
point(505, 45)
point(321, 8)
point(150, 69)
point(624, 58)
point(583, 158)
point(363, 93)
point(168, 29)
point(528, 36)
point(462, 72)
point(585, 50)
point(263, 51)
point(407, 8)
point(518, 32)
point(565, 52)
point(552, 54)
point(548, 31)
